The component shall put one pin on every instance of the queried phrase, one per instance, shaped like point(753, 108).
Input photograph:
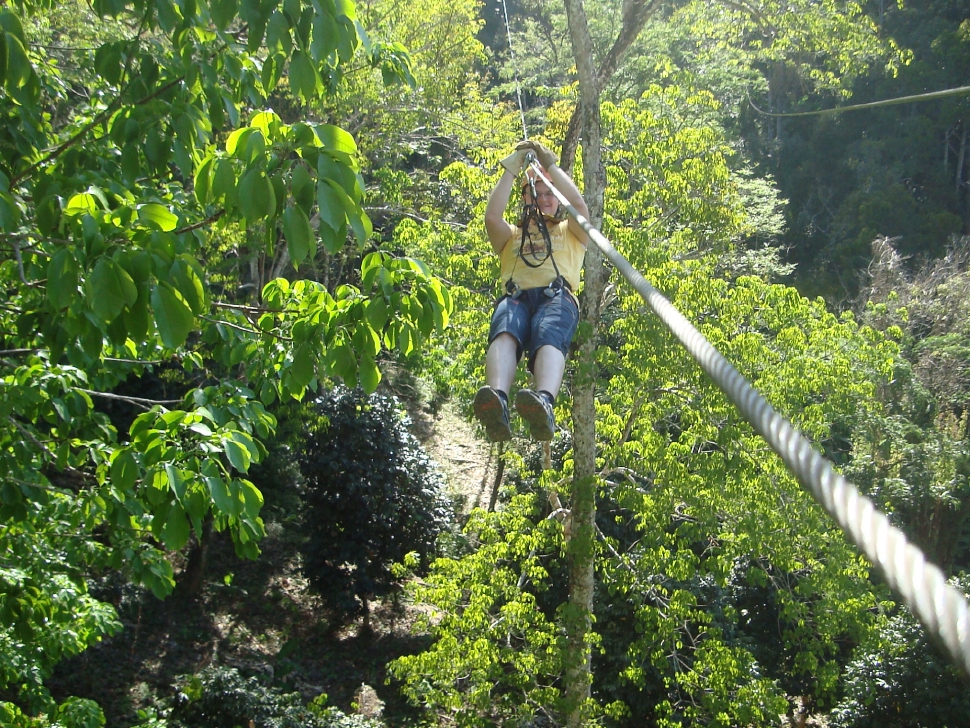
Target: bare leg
point(548, 370)
point(501, 362)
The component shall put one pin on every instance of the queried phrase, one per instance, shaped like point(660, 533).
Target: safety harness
point(531, 214)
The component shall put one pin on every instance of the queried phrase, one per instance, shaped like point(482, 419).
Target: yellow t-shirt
point(566, 249)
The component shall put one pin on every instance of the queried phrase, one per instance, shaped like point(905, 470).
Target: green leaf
point(302, 187)
point(332, 212)
point(267, 393)
point(157, 217)
point(9, 213)
point(268, 122)
point(176, 532)
point(124, 470)
point(238, 455)
point(304, 79)
point(302, 369)
point(3, 57)
point(107, 62)
point(223, 12)
point(369, 373)
point(175, 480)
point(335, 139)
point(366, 340)
point(138, 316)
point(324, 41)
point(344, 363)
point(376, 313)
point(173, 315)
point(238, 140)
point(359, 221)
point(18, 64)
point(299, 235)
point(62, 279)
point(105, 293)
point(203, 181)
point(185, 276)
point(82, 203)
point(257, 200)
point(219, 490)
point(224, 182)
point(252, 498)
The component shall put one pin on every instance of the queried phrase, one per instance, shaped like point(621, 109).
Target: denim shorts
point(535, 320)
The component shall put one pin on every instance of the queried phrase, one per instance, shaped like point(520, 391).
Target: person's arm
point(569, 190)
point(498, 229)
point(548, 159)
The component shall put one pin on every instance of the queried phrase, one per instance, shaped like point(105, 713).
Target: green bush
point(899, 680)
point(220, 697)
point(372, 496)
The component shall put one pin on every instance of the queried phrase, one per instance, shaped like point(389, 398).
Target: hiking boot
point(492, 411)
point(536, 410)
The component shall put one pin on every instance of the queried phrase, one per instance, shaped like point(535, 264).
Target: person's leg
point(510, 325)
point(548, 370)
point(501, 362)
point(553, 327)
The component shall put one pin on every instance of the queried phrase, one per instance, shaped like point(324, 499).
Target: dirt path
point(465, 459)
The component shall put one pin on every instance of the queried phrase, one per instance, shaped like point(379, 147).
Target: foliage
point(896, 172)
point(897, 678)
point(496, 656)
point(221, 696)
point(913, 459)
point(373, 496)
point(119, 207)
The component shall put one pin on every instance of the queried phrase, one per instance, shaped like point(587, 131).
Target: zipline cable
point(941, 608)
point(870, 105)
point(515, 71)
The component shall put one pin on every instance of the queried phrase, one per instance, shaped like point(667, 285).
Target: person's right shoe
point(537, 412)
point(492, 411)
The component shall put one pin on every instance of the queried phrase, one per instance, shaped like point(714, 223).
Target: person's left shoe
point(536, 410)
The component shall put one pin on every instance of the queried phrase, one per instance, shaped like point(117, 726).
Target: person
point(541, 259)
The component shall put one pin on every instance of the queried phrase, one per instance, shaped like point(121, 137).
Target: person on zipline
point(541, 259)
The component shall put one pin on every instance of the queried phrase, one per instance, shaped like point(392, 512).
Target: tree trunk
point(192, 576)
point(581, 547)
point(581, 542)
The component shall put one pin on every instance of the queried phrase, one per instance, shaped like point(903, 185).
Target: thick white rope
point(941, 608)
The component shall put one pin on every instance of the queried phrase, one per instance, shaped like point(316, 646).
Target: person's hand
point(547, 158)
point(513, 163)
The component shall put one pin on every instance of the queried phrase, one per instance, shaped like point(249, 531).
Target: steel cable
point(941, 608)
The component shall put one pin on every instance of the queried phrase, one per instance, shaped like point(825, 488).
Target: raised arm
point(499, 231)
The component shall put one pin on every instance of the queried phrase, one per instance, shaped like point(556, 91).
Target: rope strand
point(515, 71)
point(870, 105)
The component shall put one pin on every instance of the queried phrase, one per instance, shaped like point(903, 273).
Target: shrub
point(220, 697)
point(372, 496)
point(898, 680)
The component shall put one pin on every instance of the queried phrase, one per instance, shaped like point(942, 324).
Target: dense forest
point(247, 291)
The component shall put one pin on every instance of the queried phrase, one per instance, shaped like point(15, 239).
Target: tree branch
point(635, 16)
point(140, 401)
point(248, 331)
point(202, 223)
point(110, 109)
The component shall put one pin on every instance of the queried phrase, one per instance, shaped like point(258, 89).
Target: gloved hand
point(544, 154)
point(513, 163)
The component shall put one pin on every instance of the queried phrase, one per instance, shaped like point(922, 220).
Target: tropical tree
point(129, 172)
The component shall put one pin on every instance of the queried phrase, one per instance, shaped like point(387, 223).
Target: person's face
point(547, 202)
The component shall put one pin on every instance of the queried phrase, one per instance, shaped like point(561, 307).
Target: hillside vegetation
point(246, 297)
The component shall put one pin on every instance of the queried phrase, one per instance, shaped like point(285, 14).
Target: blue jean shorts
point(535, 320)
